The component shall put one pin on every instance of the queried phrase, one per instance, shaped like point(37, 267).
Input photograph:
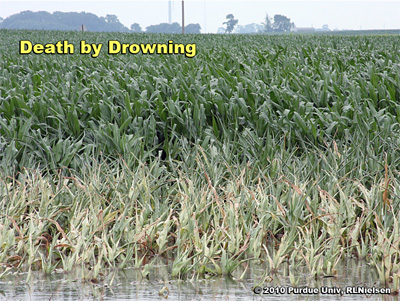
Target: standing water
point(354, 281)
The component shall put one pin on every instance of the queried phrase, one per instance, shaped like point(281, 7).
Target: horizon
point(338, 15)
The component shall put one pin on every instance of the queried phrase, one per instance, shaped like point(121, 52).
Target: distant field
point(258, 140)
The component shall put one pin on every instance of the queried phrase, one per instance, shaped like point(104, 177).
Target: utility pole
point(183, 17)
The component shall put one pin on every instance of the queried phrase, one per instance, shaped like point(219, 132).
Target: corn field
point(269, 148)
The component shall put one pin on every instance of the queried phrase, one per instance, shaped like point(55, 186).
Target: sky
point(210, 15)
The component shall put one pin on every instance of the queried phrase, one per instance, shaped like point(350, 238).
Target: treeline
point(172, 28)
point(62, 21)
point(43, 20)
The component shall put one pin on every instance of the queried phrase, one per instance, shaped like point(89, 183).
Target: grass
point(276, 148)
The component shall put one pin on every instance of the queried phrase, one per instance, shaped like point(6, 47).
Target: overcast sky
point(211, 14)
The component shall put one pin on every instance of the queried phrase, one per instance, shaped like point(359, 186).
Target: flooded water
point(129, 284)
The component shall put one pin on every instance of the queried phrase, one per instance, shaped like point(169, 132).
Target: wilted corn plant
point(113, 161)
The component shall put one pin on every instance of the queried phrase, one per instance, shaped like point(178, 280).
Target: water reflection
point(129, 284)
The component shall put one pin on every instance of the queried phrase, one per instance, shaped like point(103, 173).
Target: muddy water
point(129, 284)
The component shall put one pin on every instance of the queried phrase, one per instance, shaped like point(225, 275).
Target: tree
point(248, 28)
point(192, 28)
point(325, 27)
point(230, 24)
point(164, 28)
point(135, 27)
point(267, 24)
point(282, 23)
point(112, 19)
point(221, 30)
